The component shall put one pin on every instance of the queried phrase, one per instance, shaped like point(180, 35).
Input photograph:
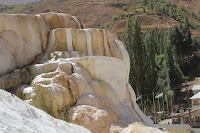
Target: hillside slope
point(192, 5)
point(100, 14)
point(45, 6)
point(17, 2)
point(92, 13)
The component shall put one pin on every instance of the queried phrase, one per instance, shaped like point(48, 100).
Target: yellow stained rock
point(25, 36)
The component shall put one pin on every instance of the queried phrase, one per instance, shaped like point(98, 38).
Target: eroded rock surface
point(81, 75)
point(23, 37)
point(91, 42)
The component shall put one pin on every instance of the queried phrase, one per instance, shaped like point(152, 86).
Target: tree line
point(156, 58)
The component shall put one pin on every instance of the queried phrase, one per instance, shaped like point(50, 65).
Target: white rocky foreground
point(79, 75)
point(17, 116)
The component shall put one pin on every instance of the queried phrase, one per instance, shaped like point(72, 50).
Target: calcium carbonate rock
point(23, 37)
point(59, 87)
point(79, 75)
point(139, 128)
point(97, 120)
point(15, 79)
point(57, 54)
point(91, 42)
point(17, 116)
point(135, 128)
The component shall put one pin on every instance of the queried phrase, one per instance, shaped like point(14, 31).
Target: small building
point(176, 128)
point(196, 97)
point(196, 101)
point(196, 89)
point(195, 110)
point(195, 117)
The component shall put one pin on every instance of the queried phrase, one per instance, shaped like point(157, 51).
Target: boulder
point(94, 119)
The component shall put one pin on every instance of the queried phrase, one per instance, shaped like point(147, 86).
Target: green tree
point(174, 71)
point(176, 40)
point(163, 81)
point(128, 41)
point(132, 40)
point(181, 40)
point(151, 5)
point(143, 76)
point(187, 38)
point(145, 2)
point(151, 74)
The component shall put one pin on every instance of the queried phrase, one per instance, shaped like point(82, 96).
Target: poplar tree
point(132, 40)
point(150, 60)
point(187, 38)
point(175, 73)
point(128, 41)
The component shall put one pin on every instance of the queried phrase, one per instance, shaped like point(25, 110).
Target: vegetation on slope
point(157, 7)
point(17, 2)
point(57, 0)
point(10, 9)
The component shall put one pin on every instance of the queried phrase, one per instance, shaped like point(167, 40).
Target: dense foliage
point(156, 58)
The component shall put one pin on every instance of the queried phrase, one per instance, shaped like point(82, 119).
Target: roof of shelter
point(196, 87)
point(196, 96)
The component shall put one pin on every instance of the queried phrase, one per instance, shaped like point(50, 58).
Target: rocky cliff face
point(23, 37)
point(79, 75)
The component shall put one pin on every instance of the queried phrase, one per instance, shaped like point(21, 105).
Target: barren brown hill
point(147, 22)
point(45, 6)
point(95, 14)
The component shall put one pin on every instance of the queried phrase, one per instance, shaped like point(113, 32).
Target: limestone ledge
point(23, 37)
point(91, 42)
point(111, 70)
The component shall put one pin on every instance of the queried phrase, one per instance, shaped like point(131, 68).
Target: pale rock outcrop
point(23, 37)
point(17, 116)
point(15, 79)
point(97, 120)
point(135, 128)
point(79, 93)
point(81, 76)
point(57, 54)
point(91, 42)
point(60, 20)
point(9, 61)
